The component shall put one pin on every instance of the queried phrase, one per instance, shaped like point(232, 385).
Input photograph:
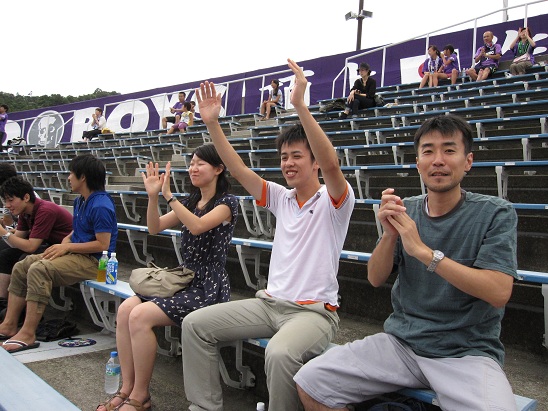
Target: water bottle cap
point(114, 354)
point(260, 406)
point(113, 254)
point(105, 252)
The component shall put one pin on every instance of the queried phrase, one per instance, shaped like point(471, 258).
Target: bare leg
point(454, 76)
point(164, 123)
point(424, 80)
point(472, 73)
point(310, 404)
point(142, 319)
point(15, 308)
point(4, 283)
point(27, 333)
point(267, 110)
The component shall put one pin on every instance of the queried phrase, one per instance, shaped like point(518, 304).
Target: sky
point(72, 47)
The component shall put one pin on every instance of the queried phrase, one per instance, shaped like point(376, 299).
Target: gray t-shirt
point(432, 316)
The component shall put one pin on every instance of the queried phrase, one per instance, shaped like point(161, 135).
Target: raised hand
point(153, 180)
point(209, 102)
point(297, 94)
point(166, 179)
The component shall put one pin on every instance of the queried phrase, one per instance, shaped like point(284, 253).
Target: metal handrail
point(427, 37)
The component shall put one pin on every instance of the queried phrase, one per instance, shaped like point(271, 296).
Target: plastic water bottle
point(260, 406)
point(102, 268)
point(112, 374)
point(112, 269)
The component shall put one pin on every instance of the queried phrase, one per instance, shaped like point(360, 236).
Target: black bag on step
point(55, 329)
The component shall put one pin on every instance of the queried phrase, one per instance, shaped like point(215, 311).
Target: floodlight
point(364, 13)
point(350, 15)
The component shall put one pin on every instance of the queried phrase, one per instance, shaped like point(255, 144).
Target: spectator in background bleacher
point(523, 47)
point(448, 305)
point(208, 217)
point(40, 224)
point(362, 94)
point(431, 66)
point(185, 119)
point(3, 120)
point(175, 110)
point(298, 308)
point(487, 59)
point(98, 123)
point(449, 68)
point(94, 229)
point(275, 98)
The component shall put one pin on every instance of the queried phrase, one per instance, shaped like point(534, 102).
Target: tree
point(18, 102)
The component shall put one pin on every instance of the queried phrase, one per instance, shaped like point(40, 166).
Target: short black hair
point(92, 168)
point(99, 109)
point(290, 135)
point(17, 187)
point(450, 48)
point(183, 93)
point(5, 107)
point(447, 125)
point(7, 170)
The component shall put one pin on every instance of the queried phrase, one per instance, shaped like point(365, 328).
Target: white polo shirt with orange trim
point(308, 243)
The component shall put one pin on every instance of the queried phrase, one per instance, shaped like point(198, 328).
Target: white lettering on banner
point(81, 122)
point(139, 116)
point(13, 130)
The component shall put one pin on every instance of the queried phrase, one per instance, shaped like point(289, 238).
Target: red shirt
point(49, 222)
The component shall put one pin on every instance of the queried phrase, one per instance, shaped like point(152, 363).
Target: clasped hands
point(396, 222)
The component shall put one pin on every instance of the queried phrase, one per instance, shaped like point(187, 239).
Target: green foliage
point(21, 103)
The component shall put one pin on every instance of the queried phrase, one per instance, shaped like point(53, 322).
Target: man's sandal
point(107, 404)
point(139, 406)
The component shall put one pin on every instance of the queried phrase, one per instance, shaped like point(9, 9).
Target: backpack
point(379, 100)
point(56, 329)
point(408, 404)
point(332, 105)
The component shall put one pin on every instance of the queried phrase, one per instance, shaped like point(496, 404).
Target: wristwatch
point(7, 235)
point(437, 256)
point(171, 200)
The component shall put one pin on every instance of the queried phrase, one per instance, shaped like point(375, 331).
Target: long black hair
point(208, 153)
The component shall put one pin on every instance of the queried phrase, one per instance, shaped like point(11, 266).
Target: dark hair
point(435, 48)
point(366, 67)
point(99, 109)
point(90, 167)
point(529, 32)
point(291, 135)
point(6, 171)
point(187, 105)
point(183, 93)
point(450, 48)
point(5, 107)
point(277, 82)
point(447, 125)
point(17, 187)
point(208, 153)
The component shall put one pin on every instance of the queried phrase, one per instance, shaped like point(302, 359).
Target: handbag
point(523, 57)
point(160, 282)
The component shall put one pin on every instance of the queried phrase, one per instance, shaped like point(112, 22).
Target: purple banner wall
point(143, 110)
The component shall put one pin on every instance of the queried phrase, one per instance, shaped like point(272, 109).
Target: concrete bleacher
point(379, 141)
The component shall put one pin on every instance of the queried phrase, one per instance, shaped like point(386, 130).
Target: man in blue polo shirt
point(73, 260)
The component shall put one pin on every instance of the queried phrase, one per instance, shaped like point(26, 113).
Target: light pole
point(359, 16)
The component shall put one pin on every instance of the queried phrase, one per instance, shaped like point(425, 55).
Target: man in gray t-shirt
point(455, 255)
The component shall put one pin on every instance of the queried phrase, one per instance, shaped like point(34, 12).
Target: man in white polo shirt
point(298, 308)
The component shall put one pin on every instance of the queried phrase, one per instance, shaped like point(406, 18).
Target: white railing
point(427, 38)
